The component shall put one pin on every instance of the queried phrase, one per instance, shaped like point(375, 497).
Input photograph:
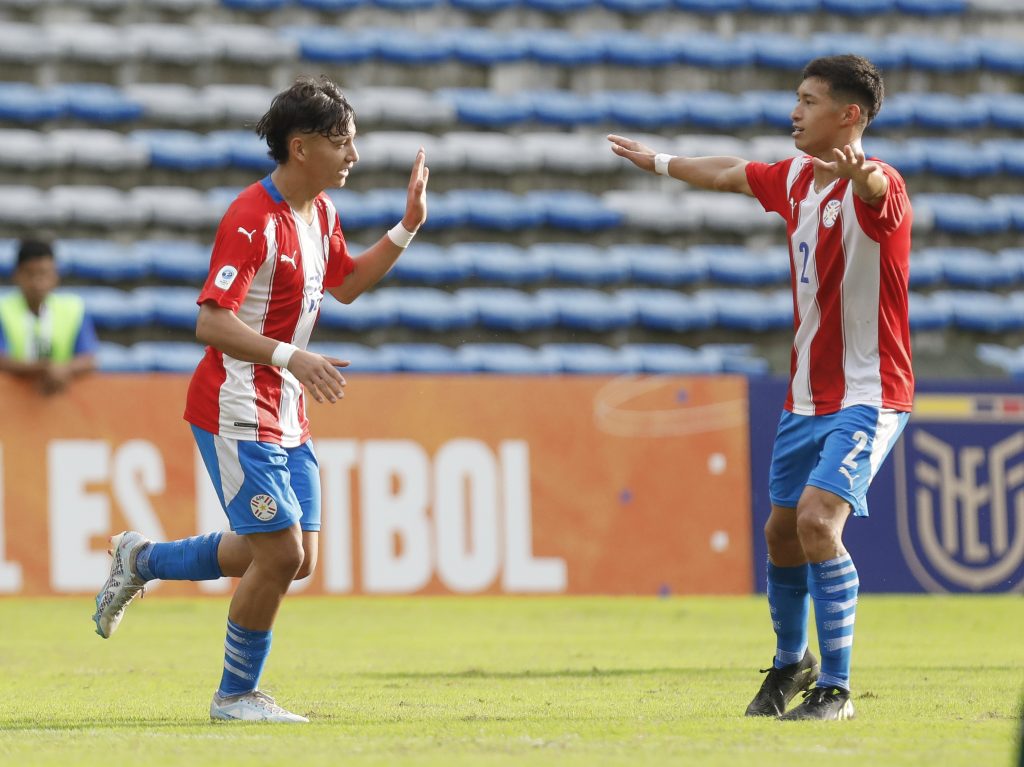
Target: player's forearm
point(221, 329)
point(712, 173)
point(370, 267)
point(872, 189)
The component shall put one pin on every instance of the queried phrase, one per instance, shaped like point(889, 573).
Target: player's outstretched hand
point(638, 154)
point(849, 162)
point(416, 197)
point(319, 374)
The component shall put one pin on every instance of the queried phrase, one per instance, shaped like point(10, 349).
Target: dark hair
point(310, 105)
point(30, 250)
point(851, 79)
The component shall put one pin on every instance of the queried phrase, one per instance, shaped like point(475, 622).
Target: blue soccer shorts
point(262, 487)
point(840, 453)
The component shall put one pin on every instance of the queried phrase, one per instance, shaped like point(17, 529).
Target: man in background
point(45, 337)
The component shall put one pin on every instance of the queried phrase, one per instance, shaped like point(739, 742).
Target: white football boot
point(123, 584)
point(255, 706)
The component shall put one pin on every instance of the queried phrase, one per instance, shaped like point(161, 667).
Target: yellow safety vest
point(51, 335)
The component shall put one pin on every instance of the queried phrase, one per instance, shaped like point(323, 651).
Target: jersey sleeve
point(887, 217)
point(238, 251)
point(339, 262)
point(768, 183)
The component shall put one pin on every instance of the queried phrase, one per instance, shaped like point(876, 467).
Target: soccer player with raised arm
point(278, 249)
point(851, 386)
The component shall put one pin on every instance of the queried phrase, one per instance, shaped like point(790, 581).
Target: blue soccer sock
point(190, 559)
point(834, 587)
point(245, 652)
point(789, 603)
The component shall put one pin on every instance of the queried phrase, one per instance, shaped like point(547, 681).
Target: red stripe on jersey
point(828, 347)
point(895, 364)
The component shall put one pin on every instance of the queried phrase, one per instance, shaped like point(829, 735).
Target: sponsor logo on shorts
point(264, 507)
point(831, 213)
point(225, 277)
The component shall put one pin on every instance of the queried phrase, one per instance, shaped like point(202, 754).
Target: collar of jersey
point(272, 190)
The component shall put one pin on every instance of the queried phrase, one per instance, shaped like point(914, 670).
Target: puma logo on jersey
point(290, 260)
point(851, 477)
point(248, 235)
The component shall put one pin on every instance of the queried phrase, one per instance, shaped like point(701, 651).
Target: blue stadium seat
point(368, 312)
point(334, 45)
point(668, 310)
point(101, 260)
point(356, 211)
point(737, 358)
point(715, 52)
point(636, 7)
point(512, 310)
point(500, 210)
point(907, 157)
point(1006, 358)
point(405, 6)
point(943, 111)
point(583, 264)
point(255, 6)
point(783, 6)
point(591, 310)
point(644, 110)
point(409, 47)
point(736, 265)
point(113, 309)
point(172, 307)
point(976, 268)
point(575, 211)
point(331, 6)
point(244, 149)
point(182, 150)
point(883, 53)
point(858, 7)
point(925, 270)
point(488, 47)
point(751, 310)
point(561, 48)
point(930, 312)
point(169, 356)
point(558, 6)
point(567, 108)
point(178, 260)
point(116, 358)
point(661, 265)
point(778, 51)
point(719, 111)
point(1002, 55)
point(934, 54)
point(20, 102)
point(1012, 207)
point(776, 107)
point(932, 7)
point(593, 359)
point(505, 264)
point(430, 309)
point(1011, 153)
point(897, 112)
point(629, 48)
point(964, 214)
point(430, 264)
point(98, 103)
point(364, 359)
point(711, 6)
point(483, 6)
point(673, 359)
point(510, 359)
point(955, 158)
point(446, 212)
point(983, 311)
point(429, 358)
point(475, 106)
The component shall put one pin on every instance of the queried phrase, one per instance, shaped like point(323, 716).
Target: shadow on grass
point(111, 723)
point(569, 673)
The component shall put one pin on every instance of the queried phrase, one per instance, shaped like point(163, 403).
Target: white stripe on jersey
point(806, 234)
point(861, 286)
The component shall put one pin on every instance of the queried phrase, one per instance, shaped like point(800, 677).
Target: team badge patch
point(264, 507)
point(225, 277)
point(831, 213)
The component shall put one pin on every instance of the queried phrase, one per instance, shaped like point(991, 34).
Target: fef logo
point(831, 213)
point(264, 507)
point(961, 505)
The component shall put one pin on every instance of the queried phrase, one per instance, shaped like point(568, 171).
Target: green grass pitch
point(505, 681)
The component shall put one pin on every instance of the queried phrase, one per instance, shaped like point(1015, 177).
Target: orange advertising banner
point(431, 484)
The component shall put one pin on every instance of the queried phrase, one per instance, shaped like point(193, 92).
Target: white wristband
point(283, 354)
point(661, 162)
point(401, 236)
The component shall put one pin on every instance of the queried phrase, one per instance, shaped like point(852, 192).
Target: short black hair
point(852, 79)
point(310, 105)
point(30, 250)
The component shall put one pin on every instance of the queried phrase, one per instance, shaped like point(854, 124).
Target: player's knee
point(307, 568)
point(814, 528)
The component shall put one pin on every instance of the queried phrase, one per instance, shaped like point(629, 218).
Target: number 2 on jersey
point(806, 251)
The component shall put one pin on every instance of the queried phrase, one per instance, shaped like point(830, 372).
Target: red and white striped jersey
point(849, 264)
point(270, 268)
